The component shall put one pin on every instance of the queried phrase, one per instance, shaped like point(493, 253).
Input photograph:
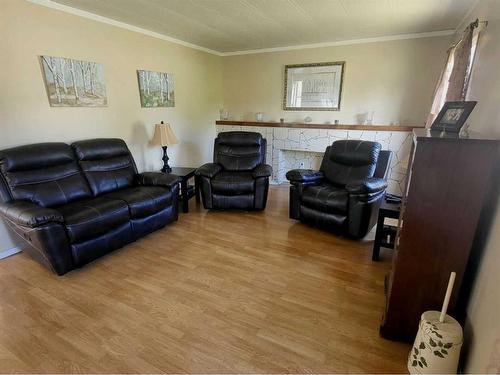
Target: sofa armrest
point(158, 179)
point(208, 170)
point(262, 170)
point(29, 214)
point(296, 176)
point(369, 186)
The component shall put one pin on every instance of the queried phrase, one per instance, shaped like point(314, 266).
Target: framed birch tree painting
point(73, 83)
point(156, 89)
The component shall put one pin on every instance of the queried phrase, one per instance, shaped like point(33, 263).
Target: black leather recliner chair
point(238, 177)
point(68, 205)
point(345, 194)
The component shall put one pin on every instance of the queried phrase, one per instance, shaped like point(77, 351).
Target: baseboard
point(9, 252)
point(274, 182)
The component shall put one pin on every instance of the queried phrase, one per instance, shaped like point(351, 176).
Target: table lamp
point(164, 136)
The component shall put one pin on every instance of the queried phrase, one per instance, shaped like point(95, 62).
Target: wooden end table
point(187, 191)
point(385, 234)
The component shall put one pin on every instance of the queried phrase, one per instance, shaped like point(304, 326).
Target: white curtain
point(454, 79)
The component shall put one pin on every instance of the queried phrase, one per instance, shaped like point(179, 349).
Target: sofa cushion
point(91, 218)
point(106, 163)
point(45, 174)
point(233, 183)
point(326, 198)
point(143, 200)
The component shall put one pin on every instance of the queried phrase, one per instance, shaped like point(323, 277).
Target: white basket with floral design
point(437, 346)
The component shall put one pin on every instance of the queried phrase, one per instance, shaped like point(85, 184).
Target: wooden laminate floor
point(215, 292)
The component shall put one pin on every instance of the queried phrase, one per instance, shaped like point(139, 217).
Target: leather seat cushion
point(330, 221)
point(233, 183)
point(91, 218)
point(143, 200)
point(326, 198)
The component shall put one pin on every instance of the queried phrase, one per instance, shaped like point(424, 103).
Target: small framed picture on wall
point(452, 116)
point(313, 87)
point(156, 89)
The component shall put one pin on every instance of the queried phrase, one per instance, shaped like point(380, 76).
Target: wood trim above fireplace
point(392, 128)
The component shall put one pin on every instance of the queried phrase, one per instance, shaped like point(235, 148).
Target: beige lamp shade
point(164, 136)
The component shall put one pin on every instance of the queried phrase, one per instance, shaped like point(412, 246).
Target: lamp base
point(166, 168)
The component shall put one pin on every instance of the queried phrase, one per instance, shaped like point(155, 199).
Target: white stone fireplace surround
point(290, 148)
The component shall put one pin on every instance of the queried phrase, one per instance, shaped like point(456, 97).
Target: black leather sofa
point(345, 194)
point(238, 177)
point(68, 205)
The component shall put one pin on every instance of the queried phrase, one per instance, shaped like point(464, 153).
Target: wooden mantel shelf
point(392, 128)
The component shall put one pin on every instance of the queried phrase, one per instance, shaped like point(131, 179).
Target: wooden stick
point(447, 296)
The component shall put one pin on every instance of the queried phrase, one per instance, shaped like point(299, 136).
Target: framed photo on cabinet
point(452, 116)
point(313, 87)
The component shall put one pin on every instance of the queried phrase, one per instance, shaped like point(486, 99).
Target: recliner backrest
point(383, 164)
point(106, 163)
point(239, 151)
point(346, 161)
point(45, 173)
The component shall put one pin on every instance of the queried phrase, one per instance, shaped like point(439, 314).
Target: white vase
point(224, 114)
point(437, 346)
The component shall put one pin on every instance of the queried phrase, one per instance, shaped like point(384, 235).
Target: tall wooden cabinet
point(447, 185)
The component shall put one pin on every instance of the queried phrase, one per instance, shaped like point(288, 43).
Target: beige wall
point(395, 79)
point(483, 325)
point(28, 30)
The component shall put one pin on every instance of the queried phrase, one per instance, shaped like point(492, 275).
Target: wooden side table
point(385, 234)
point(187, 191)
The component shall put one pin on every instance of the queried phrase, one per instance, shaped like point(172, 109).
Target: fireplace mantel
point(377, 128)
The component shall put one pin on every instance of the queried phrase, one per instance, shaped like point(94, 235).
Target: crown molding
point(123, 25)
point(348, 42)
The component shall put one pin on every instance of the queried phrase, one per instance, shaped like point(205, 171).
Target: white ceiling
point(238, 25)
